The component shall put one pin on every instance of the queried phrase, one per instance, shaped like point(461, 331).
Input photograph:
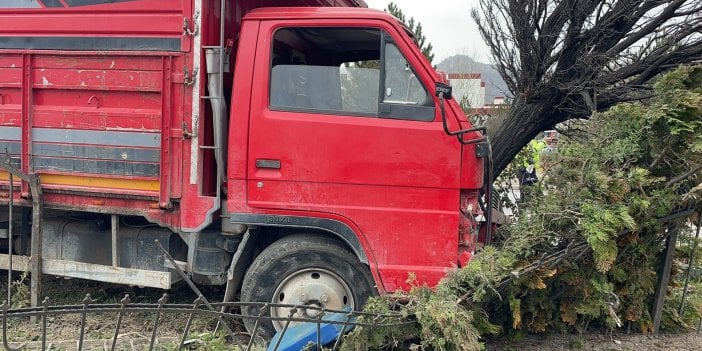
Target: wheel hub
point(314, 287)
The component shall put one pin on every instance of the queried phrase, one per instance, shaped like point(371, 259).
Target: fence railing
point(160, 317)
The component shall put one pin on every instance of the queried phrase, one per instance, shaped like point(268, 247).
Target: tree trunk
point(524, 122)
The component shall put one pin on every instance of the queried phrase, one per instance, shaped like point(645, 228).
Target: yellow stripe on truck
point(97, 182)
point(4, 176)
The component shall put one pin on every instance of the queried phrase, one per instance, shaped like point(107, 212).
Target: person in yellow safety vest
point(527, 171)
point(536, 146)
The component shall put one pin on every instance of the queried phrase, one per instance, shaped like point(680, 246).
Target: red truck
point(305, 153)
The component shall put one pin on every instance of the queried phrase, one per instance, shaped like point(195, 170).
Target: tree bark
point(525, 121)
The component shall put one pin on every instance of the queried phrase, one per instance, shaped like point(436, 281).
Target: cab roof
point(273, 13)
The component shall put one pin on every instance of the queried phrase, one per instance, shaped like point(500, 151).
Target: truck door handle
point(269, 164)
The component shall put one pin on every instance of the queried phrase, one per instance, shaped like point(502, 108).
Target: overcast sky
point(446, 24)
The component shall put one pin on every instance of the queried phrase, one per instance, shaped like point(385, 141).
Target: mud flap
point(237, 268)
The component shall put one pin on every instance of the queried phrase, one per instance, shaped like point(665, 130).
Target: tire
point(304, 269)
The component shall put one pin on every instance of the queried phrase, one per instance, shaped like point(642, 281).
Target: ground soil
point(603, 341)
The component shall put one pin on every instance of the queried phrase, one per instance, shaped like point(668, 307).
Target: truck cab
point(345, 136)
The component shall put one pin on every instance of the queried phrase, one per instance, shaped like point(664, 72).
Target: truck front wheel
point(304, 270)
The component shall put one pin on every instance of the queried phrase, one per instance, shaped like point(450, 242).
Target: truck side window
point(401, 84)
point(341, 71)
point(359, 86)
point(326, 70)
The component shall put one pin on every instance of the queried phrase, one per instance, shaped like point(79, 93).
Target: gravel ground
point(617, 342)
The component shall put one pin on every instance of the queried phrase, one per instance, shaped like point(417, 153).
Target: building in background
point(468, 89)
point(499, 100)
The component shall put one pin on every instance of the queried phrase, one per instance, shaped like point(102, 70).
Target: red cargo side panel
point(133, 25)
point(10, 107)
point(91, 95)
point(97, 117)
point(95, 126)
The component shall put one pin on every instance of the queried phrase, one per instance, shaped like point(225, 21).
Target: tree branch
point(684, 176)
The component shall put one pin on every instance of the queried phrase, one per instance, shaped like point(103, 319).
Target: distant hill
point(494, 85)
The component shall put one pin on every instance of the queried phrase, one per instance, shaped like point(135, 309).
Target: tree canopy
point(565, 59)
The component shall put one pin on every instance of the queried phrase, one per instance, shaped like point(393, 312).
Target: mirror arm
point(462, 132)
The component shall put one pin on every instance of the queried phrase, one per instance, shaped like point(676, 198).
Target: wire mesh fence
point(91, 325)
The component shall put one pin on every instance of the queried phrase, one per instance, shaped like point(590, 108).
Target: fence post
point(664, 278)
point(37, 240)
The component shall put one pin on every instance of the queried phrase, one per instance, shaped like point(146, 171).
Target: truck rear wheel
point(305, 270)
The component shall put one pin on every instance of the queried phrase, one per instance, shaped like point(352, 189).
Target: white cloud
point(447, 24)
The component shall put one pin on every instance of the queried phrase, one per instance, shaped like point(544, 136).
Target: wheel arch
point(321, 225)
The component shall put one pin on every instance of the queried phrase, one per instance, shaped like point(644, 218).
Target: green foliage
point(606, 188)
point(585, 251)
point(445, 327)
point(380, 338)
point(678, 314)
point(20, 292)
point(414, 27)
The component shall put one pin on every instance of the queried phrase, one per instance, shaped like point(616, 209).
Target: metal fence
point(160, 336)
point(692, 271)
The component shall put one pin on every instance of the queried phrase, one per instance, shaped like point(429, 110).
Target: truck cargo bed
point(92, 99)
point(93, 122)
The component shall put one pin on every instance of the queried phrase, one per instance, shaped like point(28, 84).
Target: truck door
point(343, 126)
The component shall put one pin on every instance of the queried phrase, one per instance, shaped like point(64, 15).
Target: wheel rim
point(310, 287)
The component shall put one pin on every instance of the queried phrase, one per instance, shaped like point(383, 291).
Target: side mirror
point(444, 88)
